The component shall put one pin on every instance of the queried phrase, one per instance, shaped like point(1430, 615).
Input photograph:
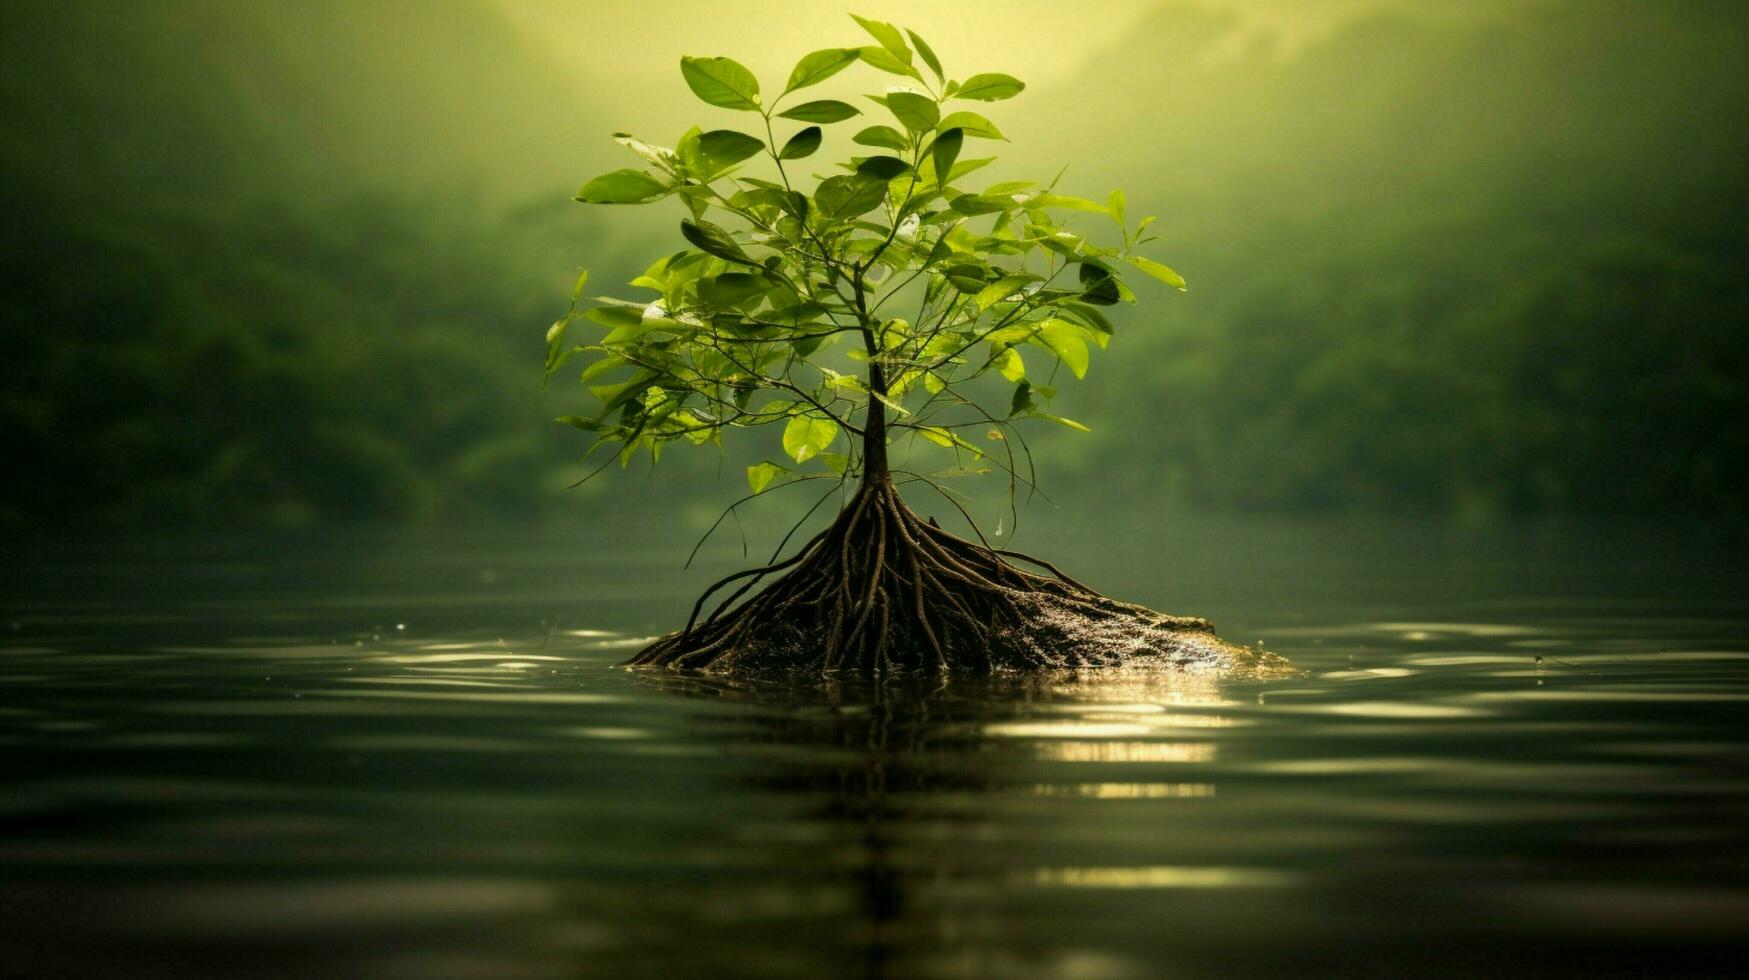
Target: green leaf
point(819, 66)
point(881, 58)
point(715, 240)
point(990, 87)
point(975, 204)
point(889, 402)
point(1114, 203)
point(760, 475)
point(884, 136)
point(1071, 423)
point(720, 149)
point(919, 113)
point(928, 54)
point(1064, 243)
point(1000, 290)
point(967, 277)
point(730, 288)
point(883, 167)
point(805, 437)
point(821, 111)
point(888, 35)
point(722, 82)
point(936, 434)
point(613, 396)
point(691, 159)
point(944, 151)
point(614, 317)
point(1115, 281)
point(973, 125)
point(609, 363)
point(801, 144)
point(556, 355)
point(1064, 202)
point(661, 156)
point(1099, 285)
point(623, 187)
point(946, 437)
point(1009, 365)
point(1022, 401)
point(1161, 272)
point(1063, 339)
point(964, 167)
point(795, 315)
point(1087, 316)
point(844, 197)
point(842, 382)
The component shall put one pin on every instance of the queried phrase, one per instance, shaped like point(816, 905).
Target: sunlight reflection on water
point(492, 795)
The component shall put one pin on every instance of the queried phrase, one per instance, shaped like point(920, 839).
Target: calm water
point(1512, 752)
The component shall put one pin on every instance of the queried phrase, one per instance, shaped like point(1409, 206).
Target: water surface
point(1506, 753)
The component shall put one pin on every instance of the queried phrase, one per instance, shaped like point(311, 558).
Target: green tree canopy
point(940, 287)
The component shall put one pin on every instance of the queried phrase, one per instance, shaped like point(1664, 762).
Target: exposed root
point(882, 592)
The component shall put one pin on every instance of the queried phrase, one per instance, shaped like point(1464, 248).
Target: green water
point(360, 756)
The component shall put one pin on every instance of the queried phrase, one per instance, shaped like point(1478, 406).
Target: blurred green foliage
point(291, 263)
point(1485, 268)
point(271, 364)
point(221, 303)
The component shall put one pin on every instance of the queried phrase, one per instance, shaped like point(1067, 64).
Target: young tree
point(999, 296)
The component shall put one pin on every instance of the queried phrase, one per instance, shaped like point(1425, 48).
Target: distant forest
point(266, 269)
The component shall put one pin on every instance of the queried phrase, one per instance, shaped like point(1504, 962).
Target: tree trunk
point(874, 431)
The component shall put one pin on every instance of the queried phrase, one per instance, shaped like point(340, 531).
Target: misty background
point(279, 264)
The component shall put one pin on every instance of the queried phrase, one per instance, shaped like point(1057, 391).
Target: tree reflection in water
point(900, 808)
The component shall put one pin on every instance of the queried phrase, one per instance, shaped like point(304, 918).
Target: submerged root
point(882, 591)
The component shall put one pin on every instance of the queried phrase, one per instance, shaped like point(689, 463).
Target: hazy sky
point(1039, 40)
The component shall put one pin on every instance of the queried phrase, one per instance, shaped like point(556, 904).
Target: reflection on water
point(268, 777)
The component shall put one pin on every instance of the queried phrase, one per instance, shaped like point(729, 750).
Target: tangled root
point(881, 591)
